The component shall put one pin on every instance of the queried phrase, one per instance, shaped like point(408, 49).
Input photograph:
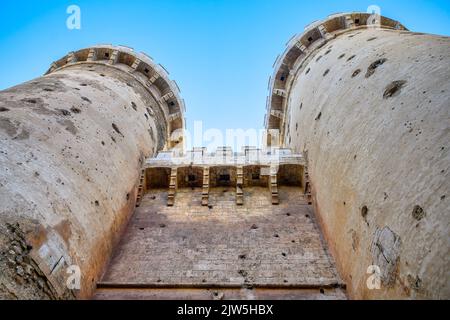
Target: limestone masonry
point(353, 175)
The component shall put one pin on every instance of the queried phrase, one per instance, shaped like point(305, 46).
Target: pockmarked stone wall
point(223, 245)
point(71, 147)
point(370, 105)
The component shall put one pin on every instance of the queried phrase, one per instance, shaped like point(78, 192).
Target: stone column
point(72, 146)
point(370, 105)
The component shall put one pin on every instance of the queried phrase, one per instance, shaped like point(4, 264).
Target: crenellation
point(350, 181)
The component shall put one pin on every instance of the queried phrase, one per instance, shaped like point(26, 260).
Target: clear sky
point(220, 52)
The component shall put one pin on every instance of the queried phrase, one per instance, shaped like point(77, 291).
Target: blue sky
point(220, 52)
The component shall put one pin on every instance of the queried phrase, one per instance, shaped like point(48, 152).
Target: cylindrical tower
point(370, 105)
point(72, 145)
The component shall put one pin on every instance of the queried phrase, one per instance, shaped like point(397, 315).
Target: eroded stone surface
point(385, 249)
point(255, 244)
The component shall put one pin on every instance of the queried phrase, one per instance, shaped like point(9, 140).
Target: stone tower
point(72, 146)
point(369, 102)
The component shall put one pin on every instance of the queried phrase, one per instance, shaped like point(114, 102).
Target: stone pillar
point(370, 105)
point(205, 186)
point(72, 146)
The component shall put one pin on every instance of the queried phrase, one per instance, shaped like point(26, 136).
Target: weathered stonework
point(370, 106)
point(72, 146)
point(385, 249)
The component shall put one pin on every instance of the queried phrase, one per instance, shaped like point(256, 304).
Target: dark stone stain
point(3, 109)
point(415, 283)
point(8, 126)
point(12, 128)
point(357, 71)
point(32, 101)
point(64, 112)
point(48, 84)
point(318, 116)
point(19, 239)
point(326, 72)
point(70, 126)
point(385, 248)
point(75, 110)
point(355, 240)
point(364, 213)
point(23, 135)
point(64, 230)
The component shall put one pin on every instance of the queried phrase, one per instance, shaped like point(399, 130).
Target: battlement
point(199, 168)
